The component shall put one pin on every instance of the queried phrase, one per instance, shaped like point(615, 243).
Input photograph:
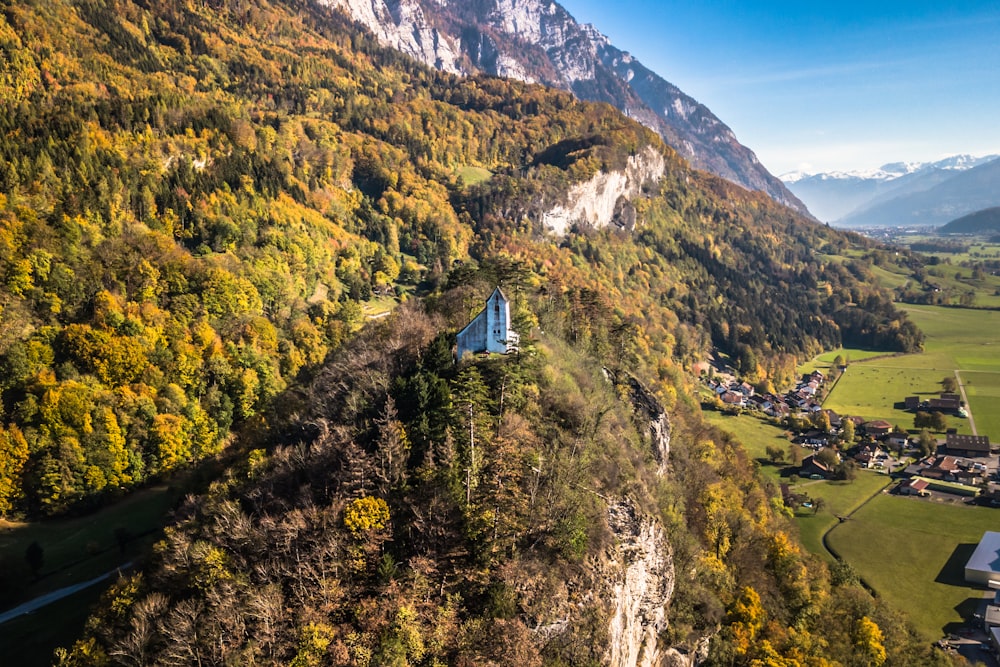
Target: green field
point(755, 435)
point(841, 498)
point(957, 339)
point(983, 390)
point(473, 175)
point(919, 563)
point(824, 361)
point(873, 390)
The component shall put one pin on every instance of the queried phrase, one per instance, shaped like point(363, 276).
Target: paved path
point(965, 400)
point(49, 598)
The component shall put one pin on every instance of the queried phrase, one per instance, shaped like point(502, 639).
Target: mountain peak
point(538, 41)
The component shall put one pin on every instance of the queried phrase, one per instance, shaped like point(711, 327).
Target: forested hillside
point(198, 198)
point(488, 513)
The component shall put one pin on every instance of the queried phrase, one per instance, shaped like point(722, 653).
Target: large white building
point(490, 330)
point(983, 567)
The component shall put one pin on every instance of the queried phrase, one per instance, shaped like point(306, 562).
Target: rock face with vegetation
point(538, 41)
point(199, 205)
point(642, 590)
point(608, 197)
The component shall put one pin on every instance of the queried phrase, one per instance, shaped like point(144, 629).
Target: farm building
point(983, 567)
point(966, 445)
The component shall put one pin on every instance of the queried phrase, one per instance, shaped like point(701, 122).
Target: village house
point(895, 439)
point(814, 468)
point(913, 487)
point(877, 428)
point(490, 330)
point(950, 403)
point(868, 456)
point(733, 398)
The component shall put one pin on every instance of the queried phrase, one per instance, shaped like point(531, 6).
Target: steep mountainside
point(838, 196)
point(539, 41)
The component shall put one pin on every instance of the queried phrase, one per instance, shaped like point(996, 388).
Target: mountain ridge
point(541, 42)
point(837, 197)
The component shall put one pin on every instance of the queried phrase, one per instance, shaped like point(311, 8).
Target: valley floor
point(919, 567)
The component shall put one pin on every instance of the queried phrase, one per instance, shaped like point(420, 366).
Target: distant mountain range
point(539, 41)
point(901, 193)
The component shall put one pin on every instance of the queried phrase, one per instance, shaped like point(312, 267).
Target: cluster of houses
point(962, 466)
point(742, 395)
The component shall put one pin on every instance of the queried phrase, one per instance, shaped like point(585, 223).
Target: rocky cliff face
point(607, 197)
point(539, 41)
point(642, 581)
point(649, 412)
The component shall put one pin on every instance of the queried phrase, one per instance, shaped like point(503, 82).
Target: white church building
point(490, 330)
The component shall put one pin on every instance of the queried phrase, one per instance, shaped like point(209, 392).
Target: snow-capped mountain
point(539, 41)
point(844, 198)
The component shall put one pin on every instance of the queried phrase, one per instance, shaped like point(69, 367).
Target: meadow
point(875, 391)
point(962, 340)
point(919, 563)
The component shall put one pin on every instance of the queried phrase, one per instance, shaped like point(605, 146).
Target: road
point(49, 598)
point(965, 401)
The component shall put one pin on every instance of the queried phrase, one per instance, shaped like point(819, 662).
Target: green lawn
point(473, 175)
point(913, 552)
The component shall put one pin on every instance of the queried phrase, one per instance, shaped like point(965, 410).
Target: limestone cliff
point(653, 419)
point(539, 41)
point(641, 576)
point(607, 197)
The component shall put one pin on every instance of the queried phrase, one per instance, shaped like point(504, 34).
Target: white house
point(490, 330)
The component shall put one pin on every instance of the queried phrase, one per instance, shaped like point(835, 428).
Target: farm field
point(921, 568)
point(872, 391)
point(957, 339)
point(841, 498)
point(824, 361)
point(983, 390)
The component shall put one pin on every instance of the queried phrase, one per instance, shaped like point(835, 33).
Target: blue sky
point(825, 86)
